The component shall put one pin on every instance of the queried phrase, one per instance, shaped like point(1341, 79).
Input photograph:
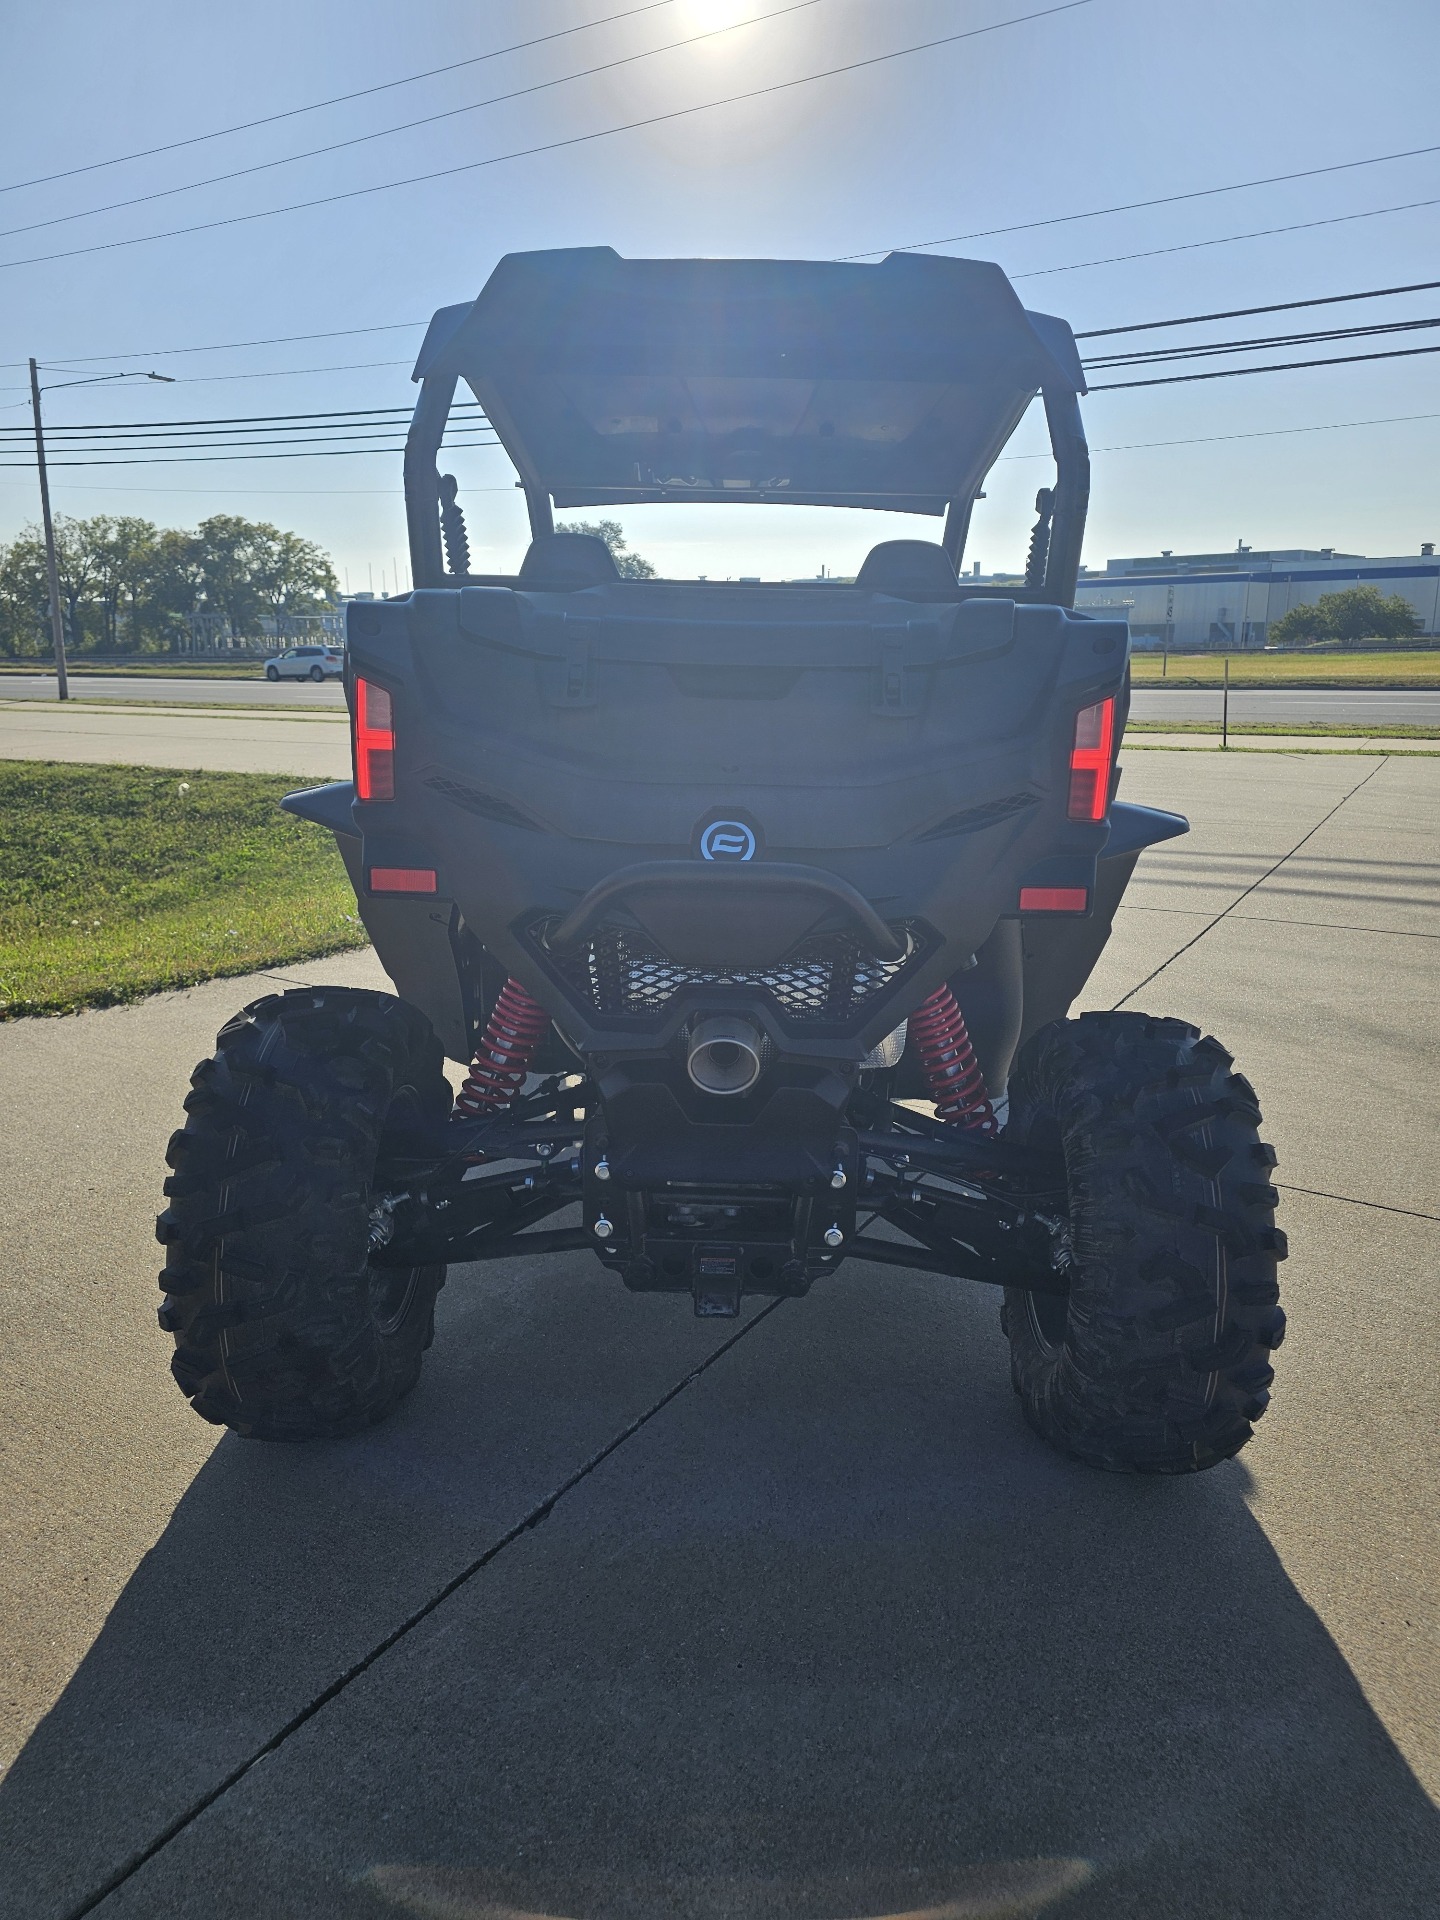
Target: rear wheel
point(284, 1329)
point(1159, 1360)
point(317, 673)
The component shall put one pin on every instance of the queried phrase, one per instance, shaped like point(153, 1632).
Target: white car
point(307, 663)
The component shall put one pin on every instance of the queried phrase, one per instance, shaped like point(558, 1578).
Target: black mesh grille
point(830, 978)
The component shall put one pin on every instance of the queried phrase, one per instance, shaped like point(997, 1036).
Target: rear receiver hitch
point(955, 1203)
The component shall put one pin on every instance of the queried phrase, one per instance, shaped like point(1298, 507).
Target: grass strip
point(116, 882)
point(1406, 669)
point(1293, 753)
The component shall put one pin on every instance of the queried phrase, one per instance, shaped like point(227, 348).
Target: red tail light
point(1090, 761)
point(403, 880)
point(374, 742)
point(1054, 899)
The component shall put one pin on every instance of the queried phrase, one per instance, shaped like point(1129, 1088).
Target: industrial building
point(1190, 601)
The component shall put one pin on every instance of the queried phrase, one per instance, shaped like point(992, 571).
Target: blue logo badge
point(728, 840)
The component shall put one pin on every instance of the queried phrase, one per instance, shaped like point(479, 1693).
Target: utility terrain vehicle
point(754, 910)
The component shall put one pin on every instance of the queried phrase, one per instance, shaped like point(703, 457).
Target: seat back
point(562, 562)
point(905, 566)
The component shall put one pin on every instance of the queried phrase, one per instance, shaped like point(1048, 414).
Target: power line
point(270, 493)
point(250, 419)
point(1129, 446)
point(233, 346)
point(1135, 206)
point(1284, 366)
point(1263, 433)
point(401, 326)
point(238, 446)
point(409, 126)
point(397, 326)
point(336, 100)
point(1156, 355)
point(207, 459)
point(556, 146)
point(270, 373)
point(367, 421)
point(1234, 313)
point(1224, 240)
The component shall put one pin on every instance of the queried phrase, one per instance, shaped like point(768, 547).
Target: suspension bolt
point(833, 1236)
point(837, 1178)
point(602, 1168)
point(545, 1149)
point(603, 1228)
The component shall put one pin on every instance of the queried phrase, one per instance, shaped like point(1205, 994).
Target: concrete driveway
point(624, 1615)
point(314, 746)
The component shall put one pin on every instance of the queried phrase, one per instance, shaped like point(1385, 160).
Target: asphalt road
point(179, 689)
point(1285, 707)
point(1288, 706)
point(627, 1616)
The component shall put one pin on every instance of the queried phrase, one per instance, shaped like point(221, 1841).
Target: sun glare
point(704, 16)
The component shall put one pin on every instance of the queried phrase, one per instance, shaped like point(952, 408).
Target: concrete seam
point(539, 1513)
point(1349, 1200)
point(1272, 920)
point(1212, 924)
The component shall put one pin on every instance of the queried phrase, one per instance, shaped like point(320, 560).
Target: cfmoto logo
point(727, 840)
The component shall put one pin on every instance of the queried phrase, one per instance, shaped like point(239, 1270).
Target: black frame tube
point(422, 480)
point(1072, 494)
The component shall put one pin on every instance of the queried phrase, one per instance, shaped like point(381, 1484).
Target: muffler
point(726, 1054)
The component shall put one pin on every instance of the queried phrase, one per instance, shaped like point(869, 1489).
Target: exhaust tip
point(726, 1054)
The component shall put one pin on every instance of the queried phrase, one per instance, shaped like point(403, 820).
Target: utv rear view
point(754, 912)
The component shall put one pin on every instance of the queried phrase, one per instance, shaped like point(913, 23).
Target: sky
point(1045, 115)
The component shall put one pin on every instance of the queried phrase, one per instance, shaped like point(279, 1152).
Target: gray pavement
point(316, 745)
point(825, 1633)
point(1290, 706)
point(1282, 706)
point(250, 690)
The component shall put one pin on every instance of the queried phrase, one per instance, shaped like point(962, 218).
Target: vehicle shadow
point(280, 1567)
point(833, 1636)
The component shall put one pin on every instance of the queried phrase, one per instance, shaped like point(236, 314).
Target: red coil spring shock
point(956, 1083)
point(502, 1060)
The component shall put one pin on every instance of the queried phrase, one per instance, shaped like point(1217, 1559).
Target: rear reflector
point(375, 748)
point(1090, 761)
point(402, 880)
point(1054, 899)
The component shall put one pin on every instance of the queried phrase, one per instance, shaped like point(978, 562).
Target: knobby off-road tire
point(283, 1329)
point(1159, 1361)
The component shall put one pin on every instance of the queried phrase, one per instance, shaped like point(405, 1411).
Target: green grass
point(118, 881)
point(1404, 667)
point(1318, 729)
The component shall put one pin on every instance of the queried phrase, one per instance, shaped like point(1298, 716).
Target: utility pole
point(52, 570)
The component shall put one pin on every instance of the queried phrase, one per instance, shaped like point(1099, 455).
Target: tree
point(247, 567)
point(121, 555)
point(127, 585)
point(1351, 615)
point(631, 566)
point(24, 597)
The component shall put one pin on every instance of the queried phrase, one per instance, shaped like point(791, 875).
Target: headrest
point(908, 566)
point(568, 560)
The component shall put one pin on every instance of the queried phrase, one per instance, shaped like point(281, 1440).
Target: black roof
point(814, 382)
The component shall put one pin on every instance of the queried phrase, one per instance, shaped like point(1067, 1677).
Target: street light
point(52, 570)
